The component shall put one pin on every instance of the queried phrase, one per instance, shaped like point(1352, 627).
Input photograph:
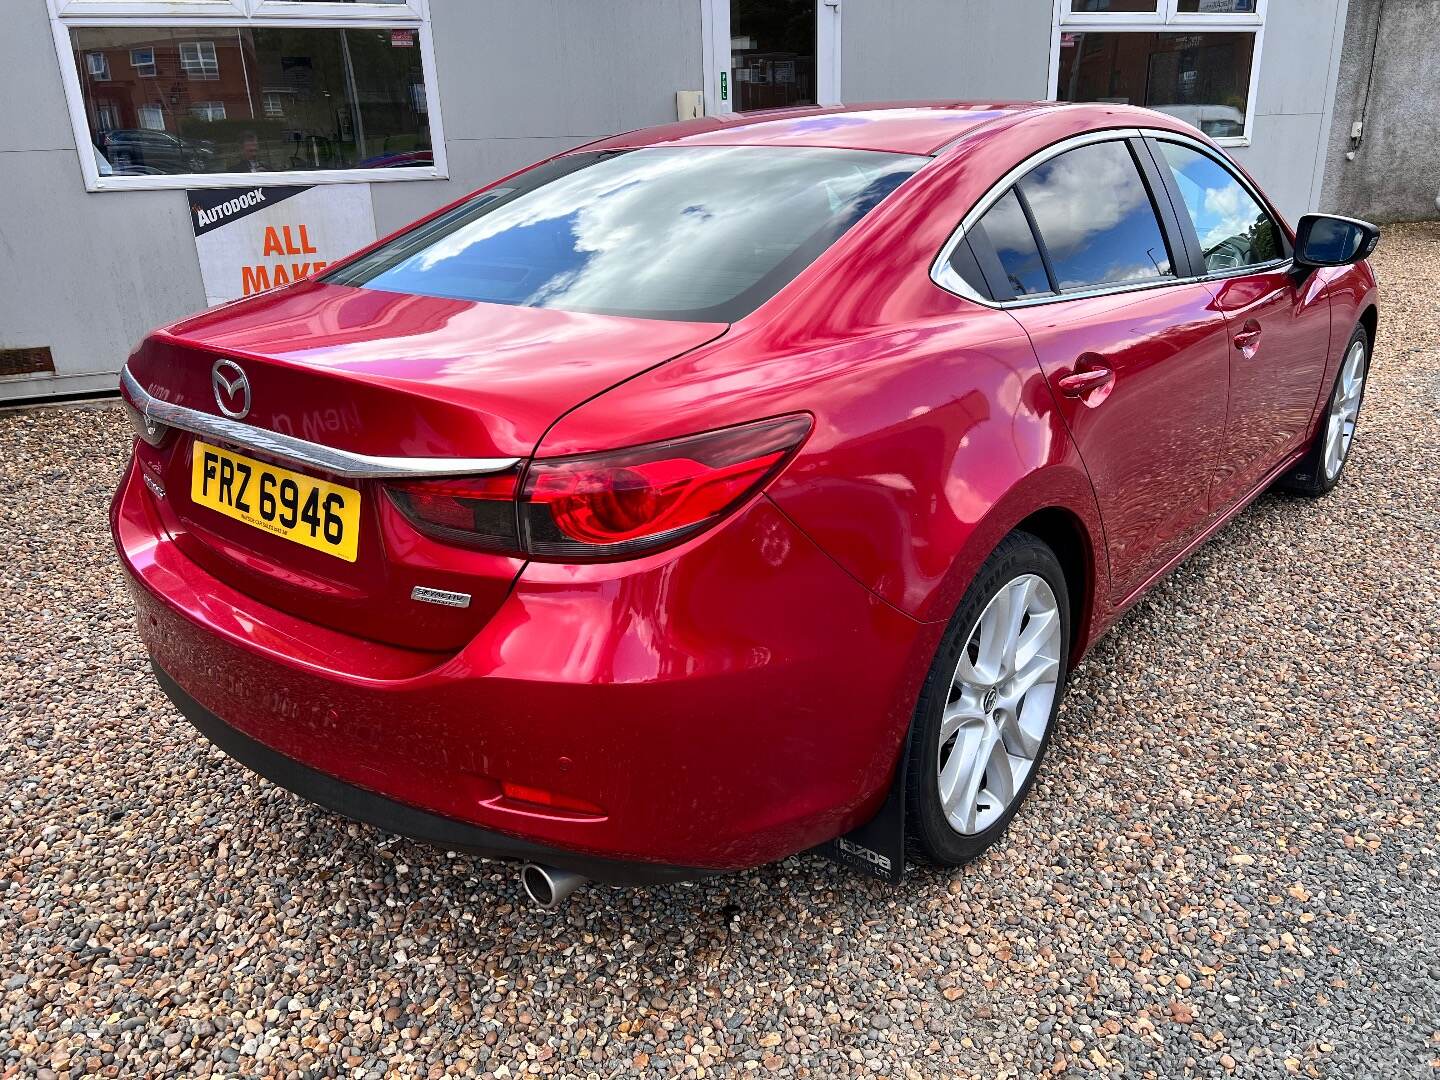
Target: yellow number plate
point(308, 511)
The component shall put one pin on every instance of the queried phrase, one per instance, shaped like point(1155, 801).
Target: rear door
point(1278, 320)
point(1079, 250)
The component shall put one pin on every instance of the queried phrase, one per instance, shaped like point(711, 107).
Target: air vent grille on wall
point(26, 361)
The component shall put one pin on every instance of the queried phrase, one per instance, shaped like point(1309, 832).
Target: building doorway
point(771, 54)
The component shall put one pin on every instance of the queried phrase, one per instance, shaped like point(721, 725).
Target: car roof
point(908, 127)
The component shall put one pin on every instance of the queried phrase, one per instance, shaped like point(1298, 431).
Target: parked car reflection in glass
point(137, 151)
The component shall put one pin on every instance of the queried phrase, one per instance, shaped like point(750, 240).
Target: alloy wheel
point(999, 704)
point(1344, 410)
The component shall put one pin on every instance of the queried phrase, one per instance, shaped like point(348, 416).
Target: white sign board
point(253, 239)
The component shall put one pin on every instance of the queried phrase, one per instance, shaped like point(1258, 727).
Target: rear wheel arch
point(1057, 505)
point(1062, 531)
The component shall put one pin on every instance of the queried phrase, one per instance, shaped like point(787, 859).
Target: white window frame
point(140, 111)
point(207, 110)
point(1167, 18)
point(139, 69)
point(301, 12)
point(226, 15)
point(103, 75)
point(715, 54)
point(205, 68)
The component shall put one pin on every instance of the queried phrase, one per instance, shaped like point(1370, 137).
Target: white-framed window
point(198, 59)
point(223, 9)
point(305, 91)
point(1196, 59)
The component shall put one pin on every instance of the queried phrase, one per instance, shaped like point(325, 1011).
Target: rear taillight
point(627, 501)
point(477, 511)
point(143, 427)
point(611, 504)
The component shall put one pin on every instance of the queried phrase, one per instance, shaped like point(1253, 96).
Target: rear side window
point(1233, 229)
point(1095, 218)
point(1008, 232)
point(692, 233)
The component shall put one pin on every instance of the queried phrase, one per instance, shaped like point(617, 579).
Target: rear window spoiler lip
point(328, 459)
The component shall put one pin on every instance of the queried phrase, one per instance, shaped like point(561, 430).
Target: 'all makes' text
point(280, 242)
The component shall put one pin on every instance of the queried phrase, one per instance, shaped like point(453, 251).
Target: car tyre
point(1320, 470)
point(979, 732)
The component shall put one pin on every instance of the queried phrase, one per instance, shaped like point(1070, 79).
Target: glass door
point(772, 54)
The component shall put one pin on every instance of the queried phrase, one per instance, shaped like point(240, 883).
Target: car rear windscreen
point(695, 233)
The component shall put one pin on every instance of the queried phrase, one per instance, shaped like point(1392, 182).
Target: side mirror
point(1325, 240)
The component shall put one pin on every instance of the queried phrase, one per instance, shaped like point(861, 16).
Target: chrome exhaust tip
point(548, 886)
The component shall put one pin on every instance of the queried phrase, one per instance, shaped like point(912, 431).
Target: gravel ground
point(1228, 866)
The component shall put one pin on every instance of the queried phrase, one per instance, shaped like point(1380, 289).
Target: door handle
point(1248, 339)
point(1090, 381)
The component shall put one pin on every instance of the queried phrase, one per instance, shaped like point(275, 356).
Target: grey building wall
point(521, 81)
point(1001, 49)
point(1391, 51)
point(88, 273)
point(898, 49)
point(1299, 64)
point(517, 80)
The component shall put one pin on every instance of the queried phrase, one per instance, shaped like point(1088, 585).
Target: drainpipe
point(245, 70)
point(1357, 129)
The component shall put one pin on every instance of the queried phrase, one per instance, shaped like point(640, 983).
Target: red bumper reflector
point(541, 797)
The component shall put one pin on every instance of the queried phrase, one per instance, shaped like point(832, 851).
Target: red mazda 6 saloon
point(733, 488)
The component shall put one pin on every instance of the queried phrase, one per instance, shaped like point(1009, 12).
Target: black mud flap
point(877, 848)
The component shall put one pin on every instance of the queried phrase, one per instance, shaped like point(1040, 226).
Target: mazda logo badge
point(232, 389)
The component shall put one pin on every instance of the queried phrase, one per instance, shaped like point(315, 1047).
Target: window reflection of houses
point(147, 79)
point(311, 98)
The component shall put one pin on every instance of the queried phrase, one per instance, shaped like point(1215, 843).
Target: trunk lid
point(385, 375)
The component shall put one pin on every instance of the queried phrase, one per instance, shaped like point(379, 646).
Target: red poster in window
point(402, 39)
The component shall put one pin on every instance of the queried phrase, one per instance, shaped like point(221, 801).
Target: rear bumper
point(361, 805)
point(721, 705)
